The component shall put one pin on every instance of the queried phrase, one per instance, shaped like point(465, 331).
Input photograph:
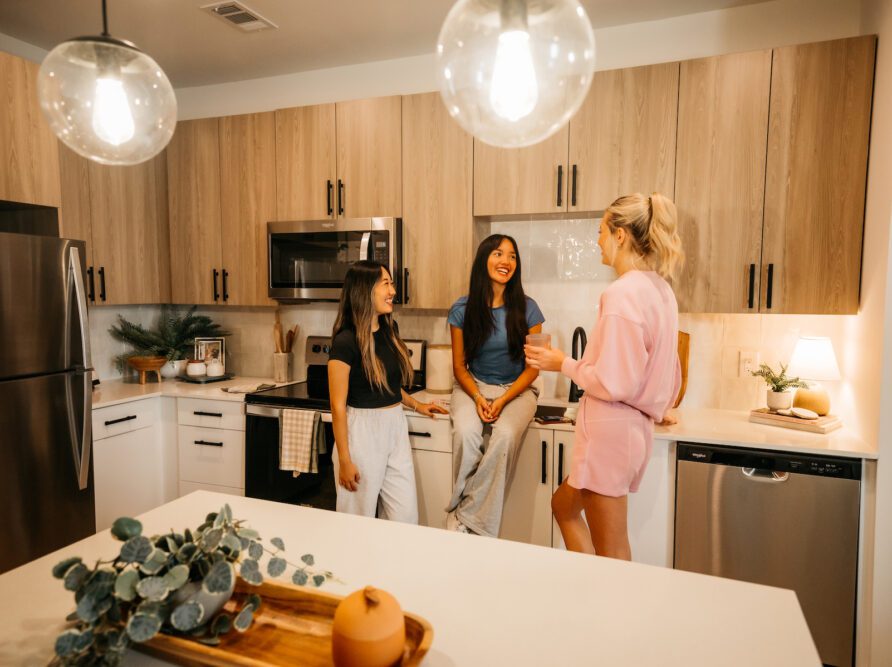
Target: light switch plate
point(748, 362)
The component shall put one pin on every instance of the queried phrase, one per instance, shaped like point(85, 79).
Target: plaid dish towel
point(300, 435)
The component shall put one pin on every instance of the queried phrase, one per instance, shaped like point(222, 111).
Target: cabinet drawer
point(433, 435)
point(123, 418)
point(188, 487)
point(213, 414)
point(212, 456)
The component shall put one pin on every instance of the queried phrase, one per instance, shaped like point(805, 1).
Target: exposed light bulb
point(112, 117)
point(514, 91)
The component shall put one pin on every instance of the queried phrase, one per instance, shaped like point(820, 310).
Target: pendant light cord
point(104, 20)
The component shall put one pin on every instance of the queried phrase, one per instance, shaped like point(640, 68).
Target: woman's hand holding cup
point(539, 354)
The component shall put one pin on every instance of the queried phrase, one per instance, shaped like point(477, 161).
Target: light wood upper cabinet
point(306, 169)
point(75, 214)
point(509, 181)
point(369, 140)
point(247, 203)
point(29, 150)
point(130, 232)
point(622, 139)
point(816, 173)
point(193, 171)
point(720, 180)
point(437, 192)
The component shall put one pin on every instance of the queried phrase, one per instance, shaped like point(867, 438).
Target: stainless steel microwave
point(308, 260)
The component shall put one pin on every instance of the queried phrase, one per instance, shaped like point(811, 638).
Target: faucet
point(576, 350)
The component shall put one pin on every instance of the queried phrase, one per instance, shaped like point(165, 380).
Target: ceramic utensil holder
point(282, 366)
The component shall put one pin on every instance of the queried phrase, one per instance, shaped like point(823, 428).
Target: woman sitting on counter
point(629, 371)
point(493, 386)
point(367, 367)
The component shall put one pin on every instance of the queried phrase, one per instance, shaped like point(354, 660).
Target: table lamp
point(813, 360)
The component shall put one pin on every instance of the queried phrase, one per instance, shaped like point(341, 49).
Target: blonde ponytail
point(652, 224)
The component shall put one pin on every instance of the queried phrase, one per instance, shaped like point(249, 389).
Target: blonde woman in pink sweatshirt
point(629, 372)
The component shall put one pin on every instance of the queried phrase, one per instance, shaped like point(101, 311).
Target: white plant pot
point(779, 400)
point(173, 368)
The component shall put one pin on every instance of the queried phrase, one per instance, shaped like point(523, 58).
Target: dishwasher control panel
point(762, 460)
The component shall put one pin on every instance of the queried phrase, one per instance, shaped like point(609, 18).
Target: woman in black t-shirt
point(367, 366)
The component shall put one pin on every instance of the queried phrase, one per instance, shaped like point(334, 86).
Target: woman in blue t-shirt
point(493, 385)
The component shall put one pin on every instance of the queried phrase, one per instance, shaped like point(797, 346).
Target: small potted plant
point(779, 395)
point(173, 337)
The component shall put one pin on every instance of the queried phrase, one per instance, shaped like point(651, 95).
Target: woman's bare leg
point(567, 507)
point(607, 521)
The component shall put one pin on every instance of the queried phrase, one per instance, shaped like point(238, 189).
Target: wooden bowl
point(145, 365)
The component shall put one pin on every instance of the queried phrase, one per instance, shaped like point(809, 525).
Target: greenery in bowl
point(173, 336)
point(156, 585)
point(778, 381)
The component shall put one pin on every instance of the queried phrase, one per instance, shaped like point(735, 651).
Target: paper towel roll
point(439, 369)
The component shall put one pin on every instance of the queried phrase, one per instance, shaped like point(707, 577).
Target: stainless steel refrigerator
point(46, 481)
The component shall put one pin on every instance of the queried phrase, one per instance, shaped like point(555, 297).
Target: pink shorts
point(612, 448)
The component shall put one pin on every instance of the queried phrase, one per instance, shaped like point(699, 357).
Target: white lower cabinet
point(433, 478)
point(527, 513)
point(211, 446)
point(127, 464)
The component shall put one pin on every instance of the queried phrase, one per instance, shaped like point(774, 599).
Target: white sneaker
point(453, 524)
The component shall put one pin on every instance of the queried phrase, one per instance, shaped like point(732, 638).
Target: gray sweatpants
point(380, 449)
point(482, 471)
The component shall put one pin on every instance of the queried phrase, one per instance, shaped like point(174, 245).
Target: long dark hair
point(479, 323)
point(356, 312)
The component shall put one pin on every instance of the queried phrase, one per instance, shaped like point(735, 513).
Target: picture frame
point(208, 349)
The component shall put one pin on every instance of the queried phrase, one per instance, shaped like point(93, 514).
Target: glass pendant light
point(106, 99)
point(513, 72)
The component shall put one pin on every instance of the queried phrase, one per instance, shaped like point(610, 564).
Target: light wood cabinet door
point(509, 181)
point(29, 150)
point(193, 172)
point(438, 223)
point(247, 203)
point(306, 170)
point(622, 139)
point(720, 180)
point(818, 136)
point(369, 138)
point(74, 212)
point(130, 232)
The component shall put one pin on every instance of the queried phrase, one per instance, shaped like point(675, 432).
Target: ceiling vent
point(236, 14)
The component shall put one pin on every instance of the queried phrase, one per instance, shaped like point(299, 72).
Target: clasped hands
point(489, 410)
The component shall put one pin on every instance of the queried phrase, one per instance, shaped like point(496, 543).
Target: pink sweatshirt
point(632, 356)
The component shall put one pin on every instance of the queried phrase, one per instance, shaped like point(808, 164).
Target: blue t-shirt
point(493, 363)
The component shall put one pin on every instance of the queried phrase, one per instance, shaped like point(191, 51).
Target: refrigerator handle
point(74, 269)
point(83, 464)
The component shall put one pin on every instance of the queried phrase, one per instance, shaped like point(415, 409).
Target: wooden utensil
point(684, 352)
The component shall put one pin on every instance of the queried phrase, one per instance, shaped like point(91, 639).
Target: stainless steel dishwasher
point(777, 519)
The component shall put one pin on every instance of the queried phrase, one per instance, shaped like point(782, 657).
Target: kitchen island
point(490, 601)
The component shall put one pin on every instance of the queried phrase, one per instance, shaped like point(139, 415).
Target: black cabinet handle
point(573, 187)
point(750, 301)
point(216, 292)
point(560, 194)
point(419, 434)
point(328, 197)
point(225, 288)
point(208, 442)
point(341, 197)
point(544, 464)
point(207, 414)
point(122, 419)
point(405, 286)
point(102, 283)
point(560, 478)
point(92, 283)
point(769, 289)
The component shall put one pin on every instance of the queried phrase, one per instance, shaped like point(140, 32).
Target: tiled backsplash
point(562, 271)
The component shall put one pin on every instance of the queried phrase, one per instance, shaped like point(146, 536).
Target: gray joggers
point(481, 475)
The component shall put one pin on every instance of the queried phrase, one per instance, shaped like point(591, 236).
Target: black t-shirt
point(361, 393)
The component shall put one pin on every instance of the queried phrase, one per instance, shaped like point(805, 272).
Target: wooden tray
point(820, 425)
point(292, 627)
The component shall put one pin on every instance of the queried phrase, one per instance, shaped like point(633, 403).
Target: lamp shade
point(813, 359)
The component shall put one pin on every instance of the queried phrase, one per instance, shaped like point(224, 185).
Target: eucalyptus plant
point(173, 335)
point(140, 592)
point(778, 381)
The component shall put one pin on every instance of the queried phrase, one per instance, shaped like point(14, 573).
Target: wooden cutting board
point(820, 425)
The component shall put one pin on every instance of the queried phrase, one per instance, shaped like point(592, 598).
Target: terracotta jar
point(369, 630)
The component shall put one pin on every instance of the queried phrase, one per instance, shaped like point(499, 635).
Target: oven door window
point(321, 259)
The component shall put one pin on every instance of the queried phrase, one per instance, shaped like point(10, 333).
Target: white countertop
point(489, 601)
point(112, 392)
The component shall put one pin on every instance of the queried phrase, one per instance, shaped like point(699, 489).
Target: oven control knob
point(326, 349)
point(316, 349)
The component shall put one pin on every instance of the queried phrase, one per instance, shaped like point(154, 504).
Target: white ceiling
point(195, 48)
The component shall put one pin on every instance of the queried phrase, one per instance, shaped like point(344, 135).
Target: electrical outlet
point(748, 362)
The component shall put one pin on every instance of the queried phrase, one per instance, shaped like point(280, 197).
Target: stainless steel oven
point(309, 259)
